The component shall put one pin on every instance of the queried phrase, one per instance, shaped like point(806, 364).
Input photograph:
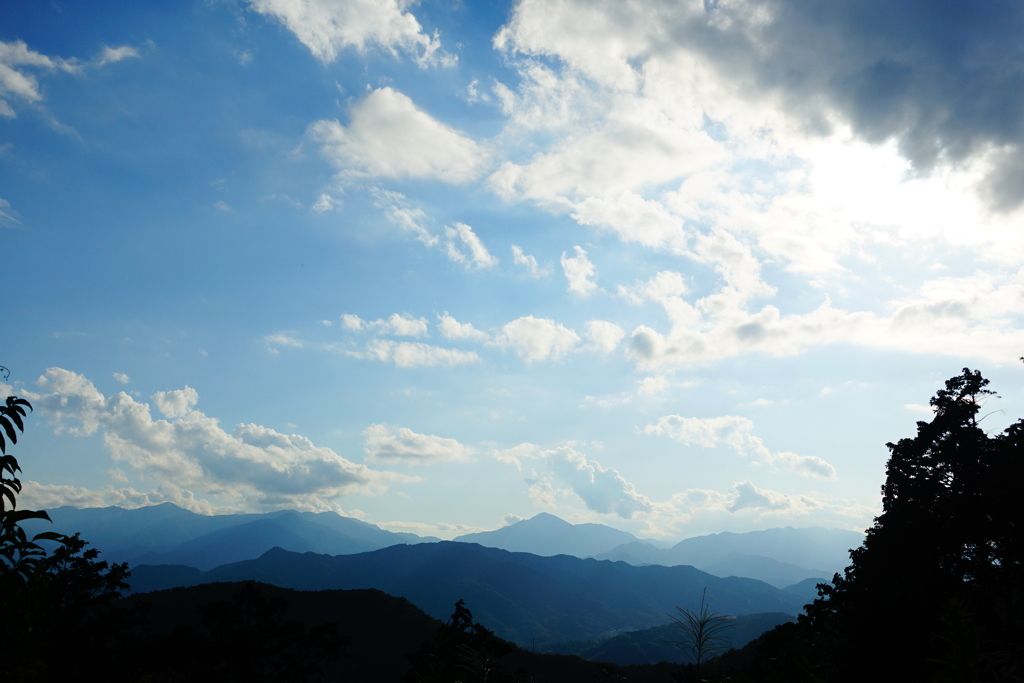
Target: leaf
point(9, 428)
point(15, 401)
point(21, 515)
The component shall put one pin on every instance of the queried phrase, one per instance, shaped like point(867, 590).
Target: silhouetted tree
point(19, 556)
point(63, 599)
point(938, 577)
point(463, 652)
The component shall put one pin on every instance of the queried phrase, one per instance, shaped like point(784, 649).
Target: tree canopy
point(934, 591)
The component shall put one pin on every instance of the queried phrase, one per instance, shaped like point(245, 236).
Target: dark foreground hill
point(376, 635)
point(657, 644)
point(521, 597)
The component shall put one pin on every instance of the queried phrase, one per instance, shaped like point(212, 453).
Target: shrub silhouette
point(703, 632)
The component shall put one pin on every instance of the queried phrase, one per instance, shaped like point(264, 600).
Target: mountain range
point(520, 596)
point(167, 534)
point(781, 557)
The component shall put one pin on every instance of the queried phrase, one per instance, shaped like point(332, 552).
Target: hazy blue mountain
point(636, 553)
point(250, 540)
point(800, 553)
point(167, 534)
point(548, 535)
point(778, 574)
point(656, 644)
point(807, 590)
point(519, 595)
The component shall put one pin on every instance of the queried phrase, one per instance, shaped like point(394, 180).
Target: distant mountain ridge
point(519, 595)
point(781, 556)
point(547, 535)
point(168, 534)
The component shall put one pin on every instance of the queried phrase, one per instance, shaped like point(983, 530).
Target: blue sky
point(676, 267)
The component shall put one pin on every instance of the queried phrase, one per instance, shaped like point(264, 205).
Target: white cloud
point(511, 518)
point(478, 257)
point(177, 403)
point(651, 386)
point(112, 55)
point(578, 272)
point(603, 490)
point(49, 496)
point(516, 454)
point(388, 136)
point(251, 467)
point(415, 354)
point(737, 433)
point(16, 81)
point(403, 325)
point(451, 328)
point(329, 26)
point(385, 443)
point(528, 262)
point(350, 321)
point(605, 336)
point(918, 408)
point(325, 202)
point(121, 377)
point(273, 341)
point(535, 339)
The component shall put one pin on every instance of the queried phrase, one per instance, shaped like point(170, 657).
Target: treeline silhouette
point(933, 594)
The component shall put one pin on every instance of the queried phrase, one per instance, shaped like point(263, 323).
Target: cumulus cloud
point(252, 466)
point(603, 490)
point(415, 354)
point(534, 339)
point(385, 443)
point(389, 137)
point(121, 378)
point(403, 325)
point(949, 316)
point(49, 496)
point(328, 26)
point(113, 55)
point(737, 433)
point(516, 454)
point(885, 72)
point(651, 386)
point(478, 256)
point(605, 336)
point(511, 518)
point(450, 328)
point(710, 149)
point(279, 339)
point(578, 272)
point(325, 202)
point(747, 498)
point(527, 261)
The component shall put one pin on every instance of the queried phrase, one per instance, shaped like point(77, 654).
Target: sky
point(675, 267)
